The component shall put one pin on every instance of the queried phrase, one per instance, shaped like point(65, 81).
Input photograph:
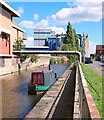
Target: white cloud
point(36, 16)
point(42, 24)
point(27, 24)
point(45, 24)
point(87, 10)
point(20, 10)
point(30, 24)
point(58, 30)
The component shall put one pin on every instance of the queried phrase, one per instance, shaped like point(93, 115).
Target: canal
point(16, 103)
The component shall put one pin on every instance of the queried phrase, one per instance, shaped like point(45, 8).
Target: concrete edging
point(76, 98)
point(86, 98)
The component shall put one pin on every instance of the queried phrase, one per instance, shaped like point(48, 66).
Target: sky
point(85, 16)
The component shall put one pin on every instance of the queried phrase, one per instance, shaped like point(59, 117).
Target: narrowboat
point(41, 80)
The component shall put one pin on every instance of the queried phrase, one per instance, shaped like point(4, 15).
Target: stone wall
point(11, 66)
point(8, 67)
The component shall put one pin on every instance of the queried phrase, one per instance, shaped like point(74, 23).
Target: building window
point(5, 38)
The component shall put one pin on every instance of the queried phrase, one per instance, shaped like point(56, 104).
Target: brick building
point(9, 30)
point(99, 51)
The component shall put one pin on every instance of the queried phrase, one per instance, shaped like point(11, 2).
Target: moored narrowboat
point(41, 80)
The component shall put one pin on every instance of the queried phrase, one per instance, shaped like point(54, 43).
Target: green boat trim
point(42, 88)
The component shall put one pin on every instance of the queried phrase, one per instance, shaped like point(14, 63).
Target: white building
point(41, 36)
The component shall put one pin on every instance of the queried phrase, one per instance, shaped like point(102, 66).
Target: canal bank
point(16, 103)
point(58, 99)
point(11, 65)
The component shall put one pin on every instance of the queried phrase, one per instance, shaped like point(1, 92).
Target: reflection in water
point(16, 103)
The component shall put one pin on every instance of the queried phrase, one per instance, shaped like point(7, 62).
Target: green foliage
point(55, 62)
point(58, 48)
point(34, 58)
point(96, 81)
point(58, 54)
point(62, 61)
point(18, 44)
point(22, 57)
point(83, 47)
point(76, 42)
point(65, 47)
point(69, 38)
point(58, 61)
point(93, 56)
point(71, 42)
point(52, 61)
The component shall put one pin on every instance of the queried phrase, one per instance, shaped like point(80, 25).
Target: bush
point(34, 58)
point(62, 61)
point(52, 61)
point(58, 61)
point(23, 57)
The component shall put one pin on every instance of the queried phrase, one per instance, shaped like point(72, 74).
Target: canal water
point(16, 103)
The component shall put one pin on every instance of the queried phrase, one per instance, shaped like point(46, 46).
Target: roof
point(16, 26)
point(42, 30)
point(13, 12)
point(99, 47)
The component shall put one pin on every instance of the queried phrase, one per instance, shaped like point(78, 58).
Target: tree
point(52, 61)
point(69, 37)
point(76, 42)
point(34, 57)
point(65, 47)
point(19, 45)
point(71, 42)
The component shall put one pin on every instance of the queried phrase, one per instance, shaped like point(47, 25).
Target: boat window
point(37, 79)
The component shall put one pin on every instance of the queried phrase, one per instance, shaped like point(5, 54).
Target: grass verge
point(95, 85)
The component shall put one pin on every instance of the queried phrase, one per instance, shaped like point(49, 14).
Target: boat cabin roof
point(40, 71)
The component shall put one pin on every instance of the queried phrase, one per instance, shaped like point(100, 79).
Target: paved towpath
point(97, 67)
